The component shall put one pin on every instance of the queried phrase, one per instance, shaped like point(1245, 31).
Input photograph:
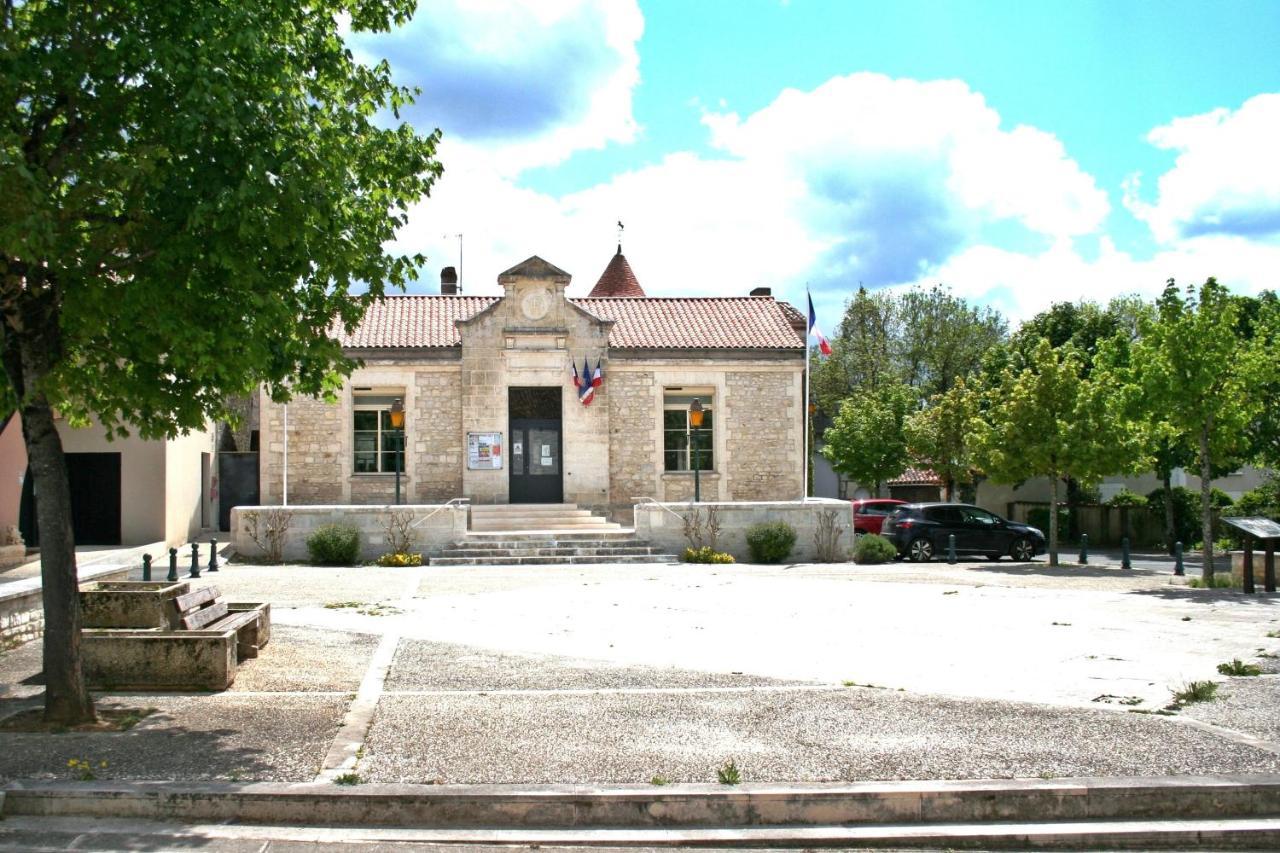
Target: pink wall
point(13, 467)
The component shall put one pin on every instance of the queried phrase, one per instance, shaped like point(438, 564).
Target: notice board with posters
point(484, 451)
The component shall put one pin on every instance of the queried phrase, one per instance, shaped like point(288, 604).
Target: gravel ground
point(1246, 704)
point(309, 586)
point(197, 737)
point(308, 660)
point(422, 665)
point(810, 735)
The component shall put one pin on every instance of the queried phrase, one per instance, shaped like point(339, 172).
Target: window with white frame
point(685, 446)
point(375, 442)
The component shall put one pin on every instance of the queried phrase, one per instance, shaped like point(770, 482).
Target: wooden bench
point(205, 610)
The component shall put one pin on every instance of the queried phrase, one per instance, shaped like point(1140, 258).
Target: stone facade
point(612, 450)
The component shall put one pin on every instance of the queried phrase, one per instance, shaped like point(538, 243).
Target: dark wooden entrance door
point(237, 484)
point(94, 479)
point(537, 464)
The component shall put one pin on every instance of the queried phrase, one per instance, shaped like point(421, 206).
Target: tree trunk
point(951, 490)
point(32, 343)
point(1053, 519)
point(1170, 534)
point(1206, 512)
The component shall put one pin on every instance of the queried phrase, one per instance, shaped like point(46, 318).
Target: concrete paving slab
point(799, 735)
point(424, 665)
point(307, 660)
point(193, 737)
point(1245, 704)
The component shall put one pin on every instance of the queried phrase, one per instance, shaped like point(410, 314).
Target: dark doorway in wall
point(537, 464)
point(237, 484)
point(94, 479)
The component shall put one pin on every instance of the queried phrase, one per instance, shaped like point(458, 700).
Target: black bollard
point(1125, 562)
point(146, 567)
point(213, 555)
point(1248, 567)
point(951, 549)
point(1084, 549)
point(195, 560)
point(1177, 560)
point(173, 565)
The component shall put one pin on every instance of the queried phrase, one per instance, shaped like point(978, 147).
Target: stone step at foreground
point(498, 509)
point(32, 834)
point(536, 524)
point(565, 551)
point(531, 535)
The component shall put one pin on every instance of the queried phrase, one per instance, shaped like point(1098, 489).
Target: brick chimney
point(448, 282)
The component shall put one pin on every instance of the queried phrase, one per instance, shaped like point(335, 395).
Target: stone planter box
point(130, 604)
point(12, 555)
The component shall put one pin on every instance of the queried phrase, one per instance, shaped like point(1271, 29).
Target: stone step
point(493, 536)
point(498, 509)
point(541, 527)
point(1013, 808)
point(543, 523)
point(37, 834)
point(521, 514)
point(562, 551)
point(551, 561)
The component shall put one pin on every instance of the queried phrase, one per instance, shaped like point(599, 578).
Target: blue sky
point(1020, 153)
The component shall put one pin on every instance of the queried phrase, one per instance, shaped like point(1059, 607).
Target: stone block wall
point(436, 527)
point(22, 605)
point(663, 525)
point(634, 462)
point(437, 443)
point(762, 415)
point(316, 451)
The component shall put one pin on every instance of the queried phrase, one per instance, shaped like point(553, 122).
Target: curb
point(644, 806)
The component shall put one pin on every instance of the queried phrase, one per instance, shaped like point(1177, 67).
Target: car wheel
point(1023, 550)
point(920, 550)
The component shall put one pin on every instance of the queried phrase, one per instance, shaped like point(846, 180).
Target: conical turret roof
point(617, 279)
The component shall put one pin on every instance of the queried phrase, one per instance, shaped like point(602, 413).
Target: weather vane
point(620, 227)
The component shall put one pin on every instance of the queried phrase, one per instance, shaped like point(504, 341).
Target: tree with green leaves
point(1203, 378)
point(1048, 420)
point(189, 193)
point(866, 441)
point(939, 436)
point(861, 350)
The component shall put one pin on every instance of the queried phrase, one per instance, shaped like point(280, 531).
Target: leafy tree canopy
point(866, 441)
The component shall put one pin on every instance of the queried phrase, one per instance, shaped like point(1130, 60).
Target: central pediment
point(534, 268)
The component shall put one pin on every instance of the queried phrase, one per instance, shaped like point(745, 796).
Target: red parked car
point(869, 514)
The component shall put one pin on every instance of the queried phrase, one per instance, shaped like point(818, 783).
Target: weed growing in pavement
point(347, 779)
point(1061, 624)
point(364, 608)
point(1239, 668)
point(133, 716)
point(729, 774)
point(1111, 699)
point(1160, 712)
point(1186, 618)
point(659, 780)
point(83, 768)
point(1194, 691)
point(1275, 635)
point(1219, 582)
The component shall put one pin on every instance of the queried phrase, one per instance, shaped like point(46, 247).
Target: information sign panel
point(484, 450)
point(1260, 528)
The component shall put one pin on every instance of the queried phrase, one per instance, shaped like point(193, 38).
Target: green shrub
point(874, 549)
point(705, 554)
point(399, 559)
point(1124, 497)
point(1219, 498)
point(770, 541)
point(1263, 501)
point(1038, 517)
point(334, 544)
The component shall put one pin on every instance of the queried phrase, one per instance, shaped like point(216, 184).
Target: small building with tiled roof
point(494, 391)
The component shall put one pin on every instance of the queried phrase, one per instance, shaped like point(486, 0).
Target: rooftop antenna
point(459, 236)
point(620, 227)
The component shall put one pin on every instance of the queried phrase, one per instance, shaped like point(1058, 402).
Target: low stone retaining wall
point(22, 606)
point(434, 526)
point(656, 523)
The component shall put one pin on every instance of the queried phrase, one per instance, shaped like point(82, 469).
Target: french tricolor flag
point(587, 384)
point(824, 346)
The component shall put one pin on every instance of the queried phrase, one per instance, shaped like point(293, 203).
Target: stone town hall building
point(492, 413)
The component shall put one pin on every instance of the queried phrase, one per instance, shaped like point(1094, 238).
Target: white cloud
point(1226, 179)
point(527, 83)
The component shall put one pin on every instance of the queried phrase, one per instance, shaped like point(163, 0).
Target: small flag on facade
point(586, 389)
point(577, 383)
point(824, 346)
point(597, 378)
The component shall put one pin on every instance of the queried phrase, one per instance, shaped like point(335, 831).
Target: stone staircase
point(543, 548)
point(539, 517)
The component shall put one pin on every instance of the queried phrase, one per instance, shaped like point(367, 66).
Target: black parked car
point(920, 532)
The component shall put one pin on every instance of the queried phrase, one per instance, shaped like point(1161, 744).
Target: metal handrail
point(660, 505)
point(442, 506)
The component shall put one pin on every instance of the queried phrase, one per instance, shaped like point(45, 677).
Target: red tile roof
point(746, 322)
point(617, 279)
point(916, 477)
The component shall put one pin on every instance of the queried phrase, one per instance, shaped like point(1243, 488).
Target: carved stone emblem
point(535, 304)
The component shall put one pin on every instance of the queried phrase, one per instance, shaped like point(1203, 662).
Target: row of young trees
point(1079, 392)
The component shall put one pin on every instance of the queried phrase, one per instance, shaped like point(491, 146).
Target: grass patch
point(1238, 667)
point(1275, 635)
point(109, 720)
point(1220, 581)
point(659, 780)
point(347, 779)
point(364, 608)
point(1195, 691)
point(729, 774)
